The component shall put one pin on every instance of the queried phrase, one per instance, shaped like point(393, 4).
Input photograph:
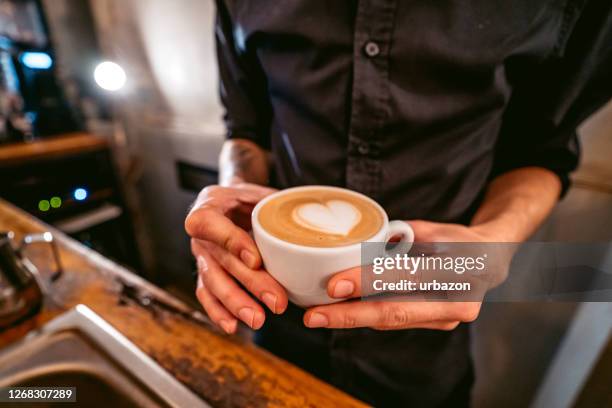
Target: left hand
point(396, 315)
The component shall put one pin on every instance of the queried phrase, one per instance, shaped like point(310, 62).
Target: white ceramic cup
point(305, 270)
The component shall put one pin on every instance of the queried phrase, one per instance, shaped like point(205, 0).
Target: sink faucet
point(21, 287)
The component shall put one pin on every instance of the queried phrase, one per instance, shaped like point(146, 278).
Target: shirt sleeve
point(550, 99)
point(242, 84)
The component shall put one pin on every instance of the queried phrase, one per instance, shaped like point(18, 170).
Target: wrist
point(242, 161)
point(504, 228)
point(516, 203)
point(231, 181)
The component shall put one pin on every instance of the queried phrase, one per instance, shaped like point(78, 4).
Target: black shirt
point(418, 104)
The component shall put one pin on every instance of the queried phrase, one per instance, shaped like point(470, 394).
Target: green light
point(43, 205)
point(56, 202)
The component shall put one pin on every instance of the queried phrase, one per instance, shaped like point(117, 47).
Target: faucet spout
point(22, 289)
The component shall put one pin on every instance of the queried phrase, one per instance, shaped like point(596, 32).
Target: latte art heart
point(334, 217)
point(321, 217)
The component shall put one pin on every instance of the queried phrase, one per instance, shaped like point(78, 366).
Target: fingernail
point(270, 300)
point(202, 265)
point(228, 325)
point(343, 288)
point(247, 315)
point(258, 320)
point(248, 258)
point(317, 320)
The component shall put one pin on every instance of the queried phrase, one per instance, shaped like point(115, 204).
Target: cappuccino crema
point(320, 217)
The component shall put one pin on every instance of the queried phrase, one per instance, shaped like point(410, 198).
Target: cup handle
point(405, 230)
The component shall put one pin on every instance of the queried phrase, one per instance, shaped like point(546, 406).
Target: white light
point(110, 76)
point(36, 60)
point(80, 194)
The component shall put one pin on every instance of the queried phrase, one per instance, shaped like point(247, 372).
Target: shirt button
point(363, 149)
point(372, 49)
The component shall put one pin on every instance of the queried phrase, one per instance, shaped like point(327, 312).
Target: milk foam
point(334, 217)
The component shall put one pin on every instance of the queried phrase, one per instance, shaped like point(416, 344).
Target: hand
point(227, 258)
point(395, 315)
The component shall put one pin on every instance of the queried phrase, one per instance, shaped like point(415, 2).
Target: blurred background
point(110, 124)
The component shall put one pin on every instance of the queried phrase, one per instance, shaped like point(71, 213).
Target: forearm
point(516, 203)
point(243, 161)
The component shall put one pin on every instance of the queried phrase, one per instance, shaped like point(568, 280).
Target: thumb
point(345, 284)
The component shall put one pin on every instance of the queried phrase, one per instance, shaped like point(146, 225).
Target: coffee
point(327, 224)
point(321, 217)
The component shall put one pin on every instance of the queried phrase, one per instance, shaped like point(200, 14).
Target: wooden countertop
point(50, 147)
point(223, 370)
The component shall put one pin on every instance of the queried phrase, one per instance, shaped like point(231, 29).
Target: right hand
point(227, 258)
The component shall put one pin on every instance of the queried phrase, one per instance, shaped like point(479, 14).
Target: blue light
point(36, 60)
point(80, 194)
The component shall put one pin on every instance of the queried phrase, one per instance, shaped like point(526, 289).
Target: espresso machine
point(32, 103)
point(14, 125)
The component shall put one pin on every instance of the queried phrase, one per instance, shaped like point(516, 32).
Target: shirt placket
point(370, 111)
point(370, 95)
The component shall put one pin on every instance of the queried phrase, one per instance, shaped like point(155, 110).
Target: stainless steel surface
point(81, 349)
point(92, 218)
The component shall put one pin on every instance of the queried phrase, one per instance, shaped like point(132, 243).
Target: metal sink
point(79, 349)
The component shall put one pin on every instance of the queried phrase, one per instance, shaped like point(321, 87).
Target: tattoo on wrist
point(242, 158)
point(243, 161)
